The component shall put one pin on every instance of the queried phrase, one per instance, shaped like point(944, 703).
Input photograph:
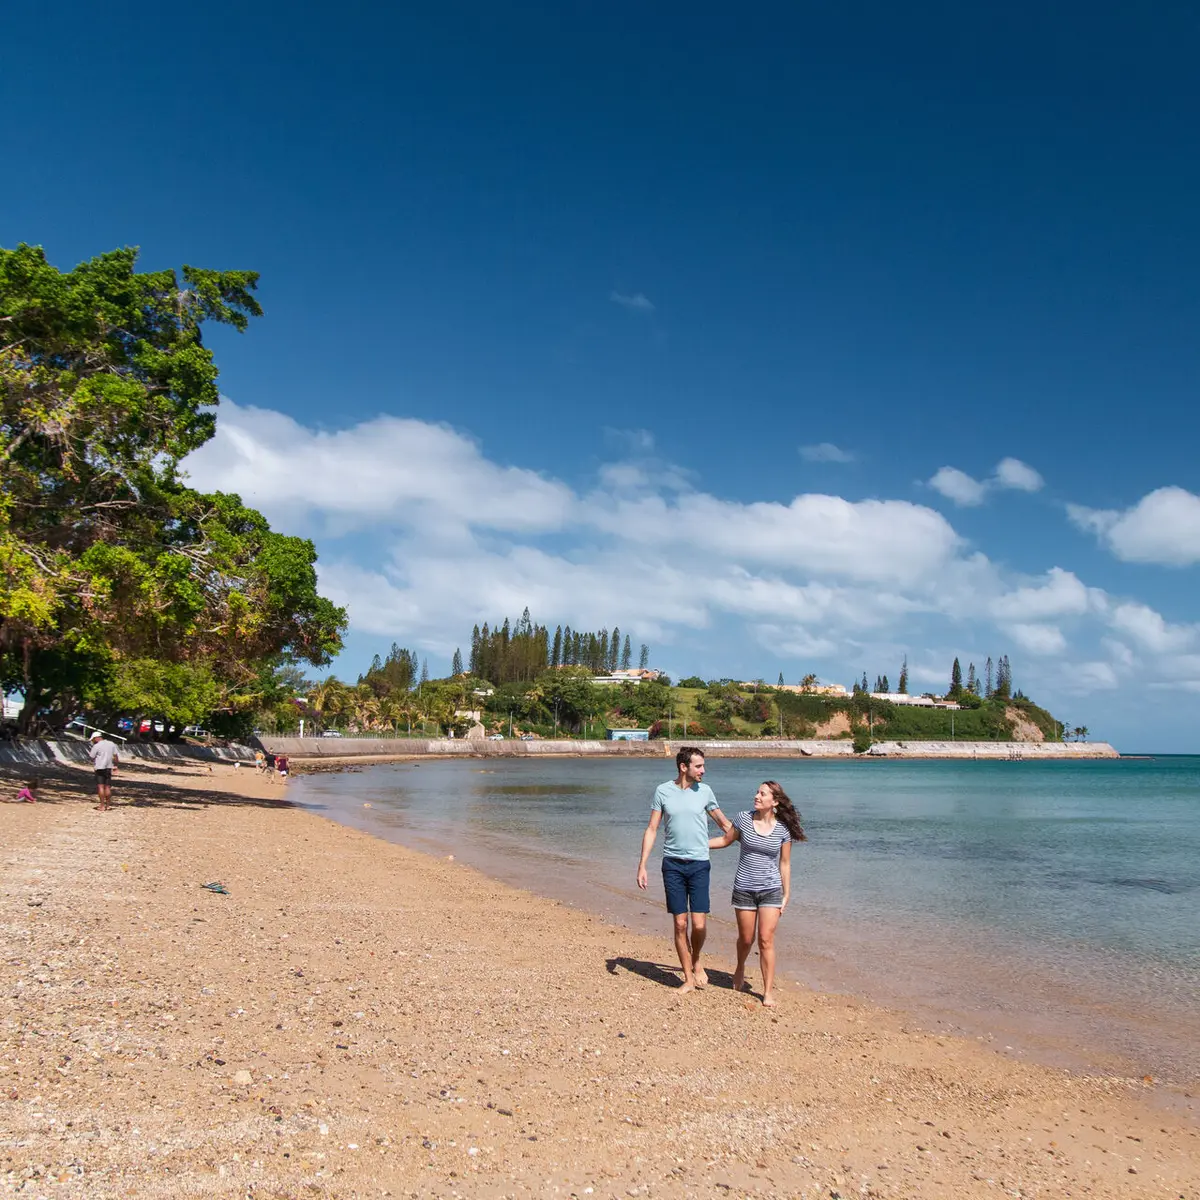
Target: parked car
point(195, 731)
point(331, 733)
point(496, 737)
point(125, 724)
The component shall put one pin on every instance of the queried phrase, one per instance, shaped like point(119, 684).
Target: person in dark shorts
point(686, 803)
point(763, 882)
point(104, 756)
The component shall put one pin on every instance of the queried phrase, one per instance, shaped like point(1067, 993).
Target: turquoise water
point(1053, 907)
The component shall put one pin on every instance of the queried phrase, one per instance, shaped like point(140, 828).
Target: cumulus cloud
point(825, 452)
point(1061, 594)
point(384, 472)
point(1163, 527)
point(1013, 473)
point(636, 302)
point(1037, 639)
point(958, 486)
point(968, 492)
point(1147, 628)
point(422, 534)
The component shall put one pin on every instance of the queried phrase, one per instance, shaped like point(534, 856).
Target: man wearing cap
point(104, 756)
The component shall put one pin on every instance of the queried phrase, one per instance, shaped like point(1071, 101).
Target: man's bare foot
point(739, 982)
point(687, 986)
point(768, 1002)
point(701, 977)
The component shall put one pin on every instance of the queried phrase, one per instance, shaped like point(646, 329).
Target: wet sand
point(357, 1019)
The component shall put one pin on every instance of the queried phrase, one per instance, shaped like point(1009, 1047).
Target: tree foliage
point(117, 581)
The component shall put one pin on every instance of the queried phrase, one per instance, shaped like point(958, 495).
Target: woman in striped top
point(763, 881)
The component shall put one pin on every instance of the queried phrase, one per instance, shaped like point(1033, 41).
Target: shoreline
point(303, 750)
point(323, 1027)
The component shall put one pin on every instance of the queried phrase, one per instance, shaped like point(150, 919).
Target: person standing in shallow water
point(686, 802)
point(763, 883)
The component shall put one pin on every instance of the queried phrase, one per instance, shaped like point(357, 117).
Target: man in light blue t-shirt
point(687, 803)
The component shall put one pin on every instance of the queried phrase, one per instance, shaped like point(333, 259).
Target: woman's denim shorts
point(767, 898)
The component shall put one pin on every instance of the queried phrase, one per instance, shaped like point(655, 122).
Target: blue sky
point(563, 303)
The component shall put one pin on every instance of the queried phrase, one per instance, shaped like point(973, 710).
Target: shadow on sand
point(666, 975)
point(133, 788)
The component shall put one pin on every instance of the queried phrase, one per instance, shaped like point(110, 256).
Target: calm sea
point(1052, 908)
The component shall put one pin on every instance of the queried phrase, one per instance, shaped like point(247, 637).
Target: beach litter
point(218, 888)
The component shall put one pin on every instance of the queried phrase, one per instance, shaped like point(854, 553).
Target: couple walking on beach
point(761, 887)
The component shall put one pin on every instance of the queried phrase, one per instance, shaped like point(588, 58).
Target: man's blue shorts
point(685, 881)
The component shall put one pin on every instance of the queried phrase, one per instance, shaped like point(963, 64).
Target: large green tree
point(112, 570)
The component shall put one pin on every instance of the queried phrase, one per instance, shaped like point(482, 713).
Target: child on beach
point(28, 794)
point(763, 882)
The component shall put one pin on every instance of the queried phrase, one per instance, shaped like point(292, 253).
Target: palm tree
point(809, 681)
point(365, 707)
point(327, 699)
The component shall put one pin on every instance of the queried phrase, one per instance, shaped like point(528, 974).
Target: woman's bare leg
point(745, 942)
point(768, 919)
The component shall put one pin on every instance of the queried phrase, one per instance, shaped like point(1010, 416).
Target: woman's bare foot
point(687, 986)
point(701, 977)
point(768, 1001)
point(739, 982)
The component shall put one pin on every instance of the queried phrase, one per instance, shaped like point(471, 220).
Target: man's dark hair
point(684, 757)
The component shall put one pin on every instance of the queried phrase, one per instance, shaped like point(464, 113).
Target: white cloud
point(1013, 473)
point(825, 452)
point(958, 486)
point(1148, 629)
point(421, 535)
point(1037, 639)
point(387, 471)
point(1062, 594)
point(1163, 527)
point(968, 492)
point(636, 302)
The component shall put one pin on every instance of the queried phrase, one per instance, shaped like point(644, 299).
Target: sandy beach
point(356, 1019)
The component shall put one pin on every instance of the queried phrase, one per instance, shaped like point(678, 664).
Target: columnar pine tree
point(902, 687)
point(475, 651)
point(886, 687)
point(864, 687)
point(878, 683)
point(780, 679)
point(1003, 679)
point(987, 678)
point(955, 679)
point(972, 682)
point(627, 654)
point(644, 657)
point(456, 664)
point(614, 649)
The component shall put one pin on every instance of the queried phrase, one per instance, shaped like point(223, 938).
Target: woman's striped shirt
point(758, 866)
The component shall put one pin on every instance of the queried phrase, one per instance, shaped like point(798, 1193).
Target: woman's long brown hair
point(785, 810)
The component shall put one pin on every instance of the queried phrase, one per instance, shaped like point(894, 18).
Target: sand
point(356, 1019)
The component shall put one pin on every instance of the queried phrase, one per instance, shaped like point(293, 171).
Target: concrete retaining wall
point(316, 748)
point(67, 751)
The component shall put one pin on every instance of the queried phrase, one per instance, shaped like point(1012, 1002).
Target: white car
point(495, 737)
point(331, 733)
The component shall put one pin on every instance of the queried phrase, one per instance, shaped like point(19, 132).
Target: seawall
point(336, 748)
point(70, 751)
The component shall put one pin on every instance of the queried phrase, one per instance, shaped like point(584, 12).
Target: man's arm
point(647, 845)
point(721, 819)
